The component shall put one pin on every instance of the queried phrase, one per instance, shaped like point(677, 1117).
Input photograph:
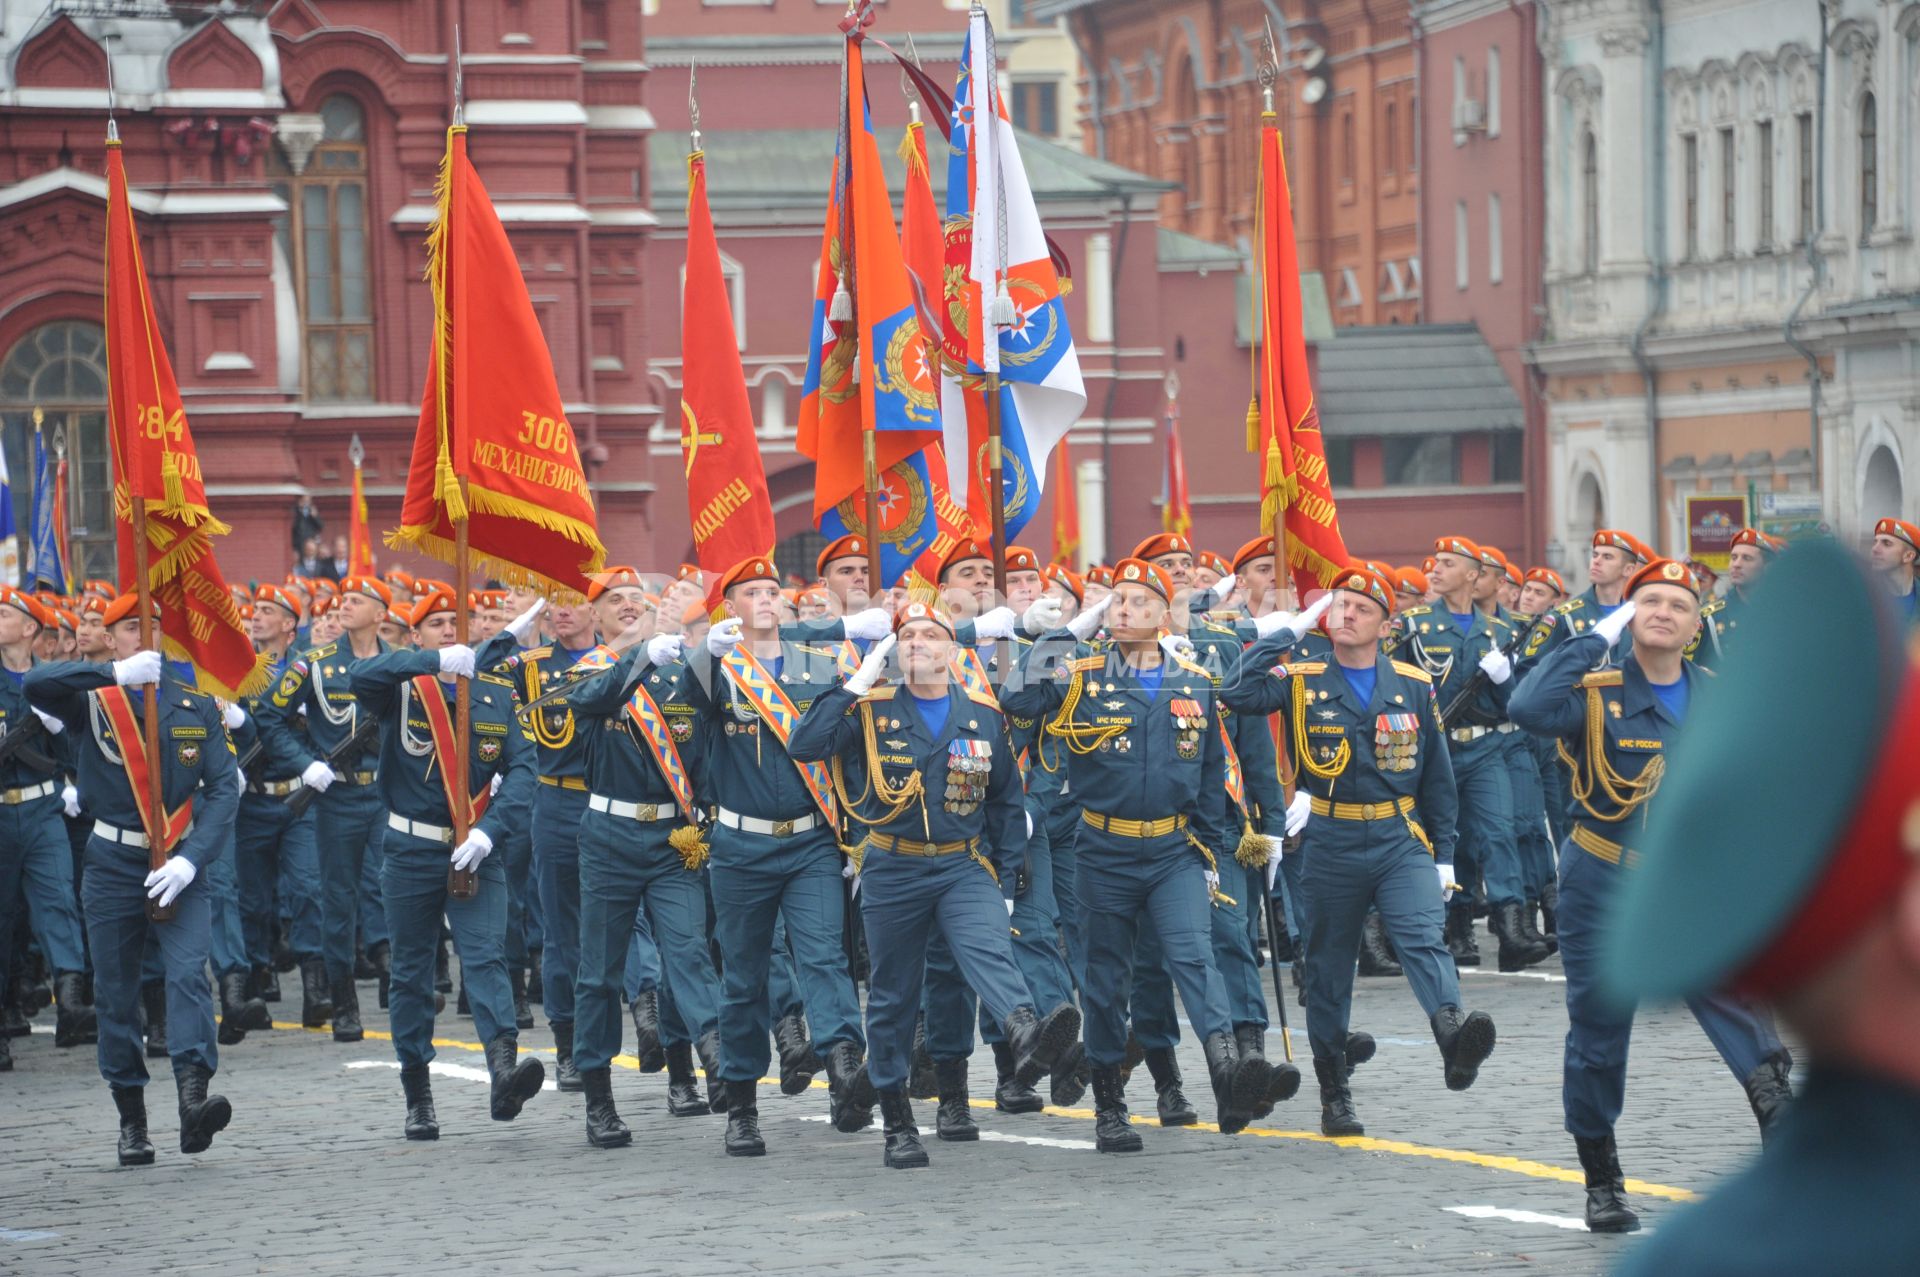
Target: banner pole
point(155, 796)
point(462, 884)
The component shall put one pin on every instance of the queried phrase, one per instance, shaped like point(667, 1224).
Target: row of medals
point(966, 783)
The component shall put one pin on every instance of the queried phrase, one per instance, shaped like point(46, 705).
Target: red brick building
point(282, 160)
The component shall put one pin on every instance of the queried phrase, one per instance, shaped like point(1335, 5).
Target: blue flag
point(49, 520)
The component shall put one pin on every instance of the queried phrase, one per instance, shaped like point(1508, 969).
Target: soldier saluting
point(411, 692)
point(106, 706)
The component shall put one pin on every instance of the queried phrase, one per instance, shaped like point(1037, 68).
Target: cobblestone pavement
point(313, 1176)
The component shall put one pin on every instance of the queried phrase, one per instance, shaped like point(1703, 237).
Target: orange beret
point(1100, 574)
point(1494, 557)
point(1759, 540)
point(1258, 548)
point(125, 606)
point(1456, 545)
point(1141, 572)
point(846, 547)
point(922, 612)
point(1547, 576)
point(614, 578)
point(964, 549)
point(94, 605)
point(1625, 541)
point(105, 589)
point(324, 604)
point(757, 568)
point(1212, 562)
point(1162, 543)
point(1899, 530)
point(426, 585)
point(42, 614)
point(280, 596)
point(1021, 559)
point(688, 572)
point(438, 600)
point(1062, 575)
point(1413, 581)
point(323, 585)
point(1663, 572)
point(396, 617)
point(1364, 581)
point(399, 577)
point(246, 611)
point(371, 587)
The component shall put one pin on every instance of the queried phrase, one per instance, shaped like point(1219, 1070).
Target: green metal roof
point(1178, 249)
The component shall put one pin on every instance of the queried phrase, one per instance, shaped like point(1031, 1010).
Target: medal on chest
point(1396, 742)
point(1189, 720)
point(968, 762)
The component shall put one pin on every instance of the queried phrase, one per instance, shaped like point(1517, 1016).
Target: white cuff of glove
point(317, 776)
point(1223, 588)
point(70, 799)
point(167, 882)
point(1045, 614)
point(1084, 625)
point(468, 855)
point(138, 670)
point(1498, 666)
point(995, 623)
point(522, 625)
point(665, 649)
point(234, 717)
point(1447, 885)
point(53, 725)
point(1614, 624)
point(862, 680)
point(1009, 908)
point(1299, 812)
point(1178, 647)
point(457, 659)
point(869, 625)
point(725, 636)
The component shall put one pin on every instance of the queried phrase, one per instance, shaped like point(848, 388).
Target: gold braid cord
point(1595, 772)
point(894, 799)
point(1302, 753)
point(1081, 738)
point(1213, 867)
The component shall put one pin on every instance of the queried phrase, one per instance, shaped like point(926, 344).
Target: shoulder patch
point(1413, 672)
point(1603, 678)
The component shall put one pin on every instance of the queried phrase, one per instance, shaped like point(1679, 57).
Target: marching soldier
point(1144, 760)
point(1543, 590)
point(1458, 646)
point(1366, 737)
point(1615, 556)
point(411, 694)
point(200, 797)
point(1614, 725)
point(1895, 556)
point(773, 852)
point(313, 732)
point(928, 871)
point(1747, 560)
point(36, 858)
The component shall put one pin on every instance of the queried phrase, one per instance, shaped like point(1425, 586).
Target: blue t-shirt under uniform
point(1464, 620)
point(1362, 681)
point(1150, 679)
point(1673, 697)
point(934, 711)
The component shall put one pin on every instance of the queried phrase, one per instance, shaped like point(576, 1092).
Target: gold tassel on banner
point(692, 847)
point(1255, 849)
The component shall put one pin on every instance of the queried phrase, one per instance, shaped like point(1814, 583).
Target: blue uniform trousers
point(413, 886)
point(625, 866)
point(556, 865)
point(36, 871)
point(1036, 920)
point(277, 866)
point(758, 879)
point(908, 900)
point(643, 955)
point(522, 894)
point(349, 823)
point(1348, 867)
point(1063, 855)
point(1594, 1080)
point(784, 997)
point(114, 901)
point(227, 941)
point(1125, 882)
point(373, 914)
point(1487, 849)
point(1529, 815)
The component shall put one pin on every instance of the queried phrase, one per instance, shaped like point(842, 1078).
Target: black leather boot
point(1770, 1091)
point(953, 1121)
point(6, 1053)
point(422, 1122)
point(74, 1023)
point(135, 1148)
point(798, 1061)
point(1039, 1043)
point(381, 956)
point(1298, 974)
point(202, 1116)
point(565, 1076)
point(153, 999)
point(743, 1121)
point(1336, 1101)
point(1175, 1109)
point(442, 969)
point(903, 1151)
point(850, 1097)
point(346, 1012)
point(522, 1009)
point(1376, 953)
point(1070, 1075)
point(1607, 1210)
point(1134, 1057)
point(266, 983)
point(1283, 1077)
point(515, 1081)
point(1531, 929)
point(1517, 953)
point(921, 1083)
point(1239, 1086)
point(536, 981)
point(1459, 936)
point(1550, 910)
point(708, 1049)
point(1009, 1095)
point(604, 1127)
point(1112, 1133)
point(462, 1007)
point(362, 963)
point(283, 959)
point(238, 1012)
point(683, 1089)
point(1360, 1049)
point(316, 998)
point(645, 1013)
point(1466, 1040)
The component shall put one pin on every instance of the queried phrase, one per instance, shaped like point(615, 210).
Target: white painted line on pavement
point(443, 1069)
point(25, 1235)
point(998, 1137)
point(1548, 976)
point(1521, 1217)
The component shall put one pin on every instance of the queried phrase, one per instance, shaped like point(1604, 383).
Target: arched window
point(1869, 165)
point(1881, 491)
point(61, 370)
point(1589, 204)
point(325, 236)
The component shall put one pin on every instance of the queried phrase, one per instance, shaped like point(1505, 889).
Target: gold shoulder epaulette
point(813, 649)
point(1192, 667)
point(1413, 672)
point(537, 653)
point(985, 699)
point(496, 680)
point(1306, 667)
point(1221, 627)
point(1080, 663)
point(1419, 609)
point(325, 649)
point(1603, 678)
point(1714, 605)
point(880, 693)
point(1500, 621)
point(1569, 607)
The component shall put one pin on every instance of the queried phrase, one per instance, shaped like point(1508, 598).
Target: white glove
point(167, 882)
point(493, 786)
point(1083, 626)
point(665, 649)
point(1223, 588)
point(1029, 816)
point(240, 780)
point(1177, 647)
point(457, 659)
point(1615, 623)
point(522, 625)
point(1009, 908)
point(1043, 615)
point(869, 625)
point(1299, 625)
point(1299, 812)
point(234, 717)
point(1498, 665)
point(70, 799)
point(996, 623)
point(318, 776)
point(1447, 885)
point(861, 681)
point(1273, 865)
point(725, 636)
point(138, 670)
point(468, 855)
point(53, 725)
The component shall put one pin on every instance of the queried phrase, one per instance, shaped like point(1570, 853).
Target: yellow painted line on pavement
point(1366, 1143)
